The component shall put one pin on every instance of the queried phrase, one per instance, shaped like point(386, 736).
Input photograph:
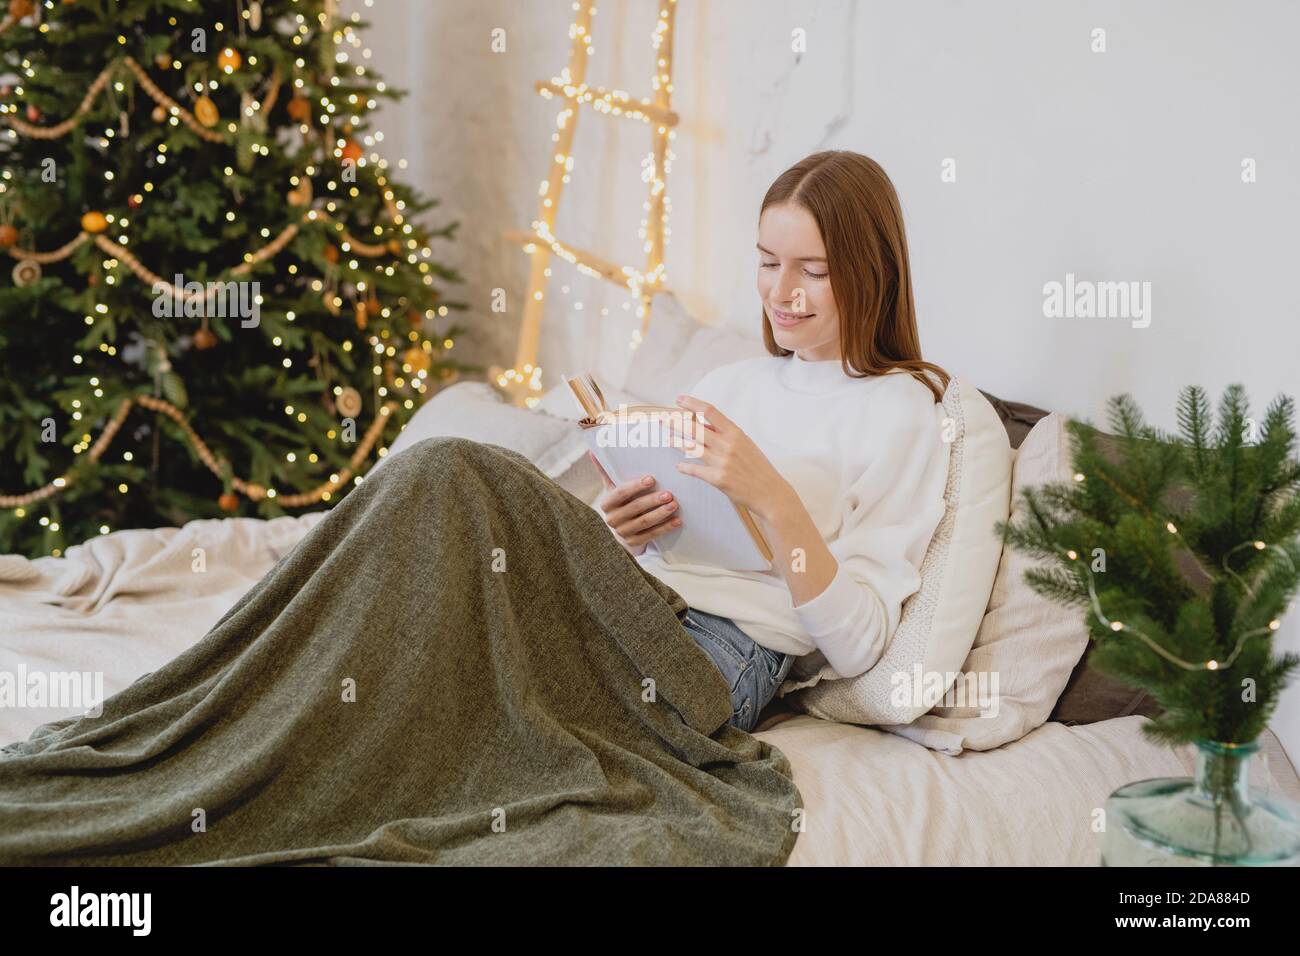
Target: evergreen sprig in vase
point(1213, 819)
point(1183, 551)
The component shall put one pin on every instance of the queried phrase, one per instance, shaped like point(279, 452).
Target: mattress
point(125, 603)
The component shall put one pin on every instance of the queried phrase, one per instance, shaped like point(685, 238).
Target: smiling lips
point(789, 319)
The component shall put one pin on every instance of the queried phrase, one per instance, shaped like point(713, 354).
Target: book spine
point(755, 532)
point(602, 452)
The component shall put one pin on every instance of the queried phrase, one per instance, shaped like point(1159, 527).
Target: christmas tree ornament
point(414, 319)
point(206, 111)
point(27, 272)
point(254, 119)
point(133, 201)
point(349, 403)
point(229, 501)
point(8, 236)
point(159, 114)
point(331, 254)
point(360, 310)
point(204, 338)
point(331, 302)
point(300, 195)
point(351, 151)
point(417, 359)
point(94, 222)
point(33, 114)
point(395, 247)
point(373, 308)
point(163, 61)
point(229, 60)
point(18, 9)
point(299, 108)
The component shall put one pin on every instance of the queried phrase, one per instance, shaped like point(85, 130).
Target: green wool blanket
point(460, 665)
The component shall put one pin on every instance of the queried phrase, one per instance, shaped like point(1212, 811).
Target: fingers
point(717, 420)
point(654, 531)
point(618, 495)
point(694, 438)
point(635, 515)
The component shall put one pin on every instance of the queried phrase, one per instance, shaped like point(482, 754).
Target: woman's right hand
point(636, 512)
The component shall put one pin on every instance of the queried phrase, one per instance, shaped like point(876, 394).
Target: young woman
point(834, 442)
point(458, 664)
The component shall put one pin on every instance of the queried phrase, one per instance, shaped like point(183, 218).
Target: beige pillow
point(1027, 645)
point(939, 621)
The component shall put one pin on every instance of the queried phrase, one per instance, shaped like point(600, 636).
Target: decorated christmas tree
point(1183, 553)
point(221, 301)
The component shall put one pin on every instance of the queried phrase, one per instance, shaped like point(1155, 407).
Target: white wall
point(1115, 166)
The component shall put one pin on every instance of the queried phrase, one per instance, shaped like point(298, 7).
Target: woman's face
point(794, 283)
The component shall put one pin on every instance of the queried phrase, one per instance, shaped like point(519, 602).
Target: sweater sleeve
point(888, 518)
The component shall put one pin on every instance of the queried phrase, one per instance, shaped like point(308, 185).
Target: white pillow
point(476, 410)
point(939, 622)
point(1030, 643)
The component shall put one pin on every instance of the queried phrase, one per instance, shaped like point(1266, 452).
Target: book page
point(712, 532)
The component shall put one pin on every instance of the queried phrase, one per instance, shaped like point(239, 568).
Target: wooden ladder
point(522, 383)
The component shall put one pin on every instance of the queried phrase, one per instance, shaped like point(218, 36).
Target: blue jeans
point(752, 671)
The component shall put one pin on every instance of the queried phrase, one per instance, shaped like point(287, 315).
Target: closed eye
point(808, 272)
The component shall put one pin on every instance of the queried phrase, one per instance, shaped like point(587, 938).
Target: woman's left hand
point(728, 459)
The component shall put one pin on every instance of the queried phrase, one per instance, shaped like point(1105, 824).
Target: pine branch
point(1149, 502)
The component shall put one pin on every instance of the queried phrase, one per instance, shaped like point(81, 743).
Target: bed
point(127, 602)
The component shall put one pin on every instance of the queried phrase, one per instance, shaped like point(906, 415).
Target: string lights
point(254, 492)
point(390, 370)
point(523, 382)
point(1121, 627)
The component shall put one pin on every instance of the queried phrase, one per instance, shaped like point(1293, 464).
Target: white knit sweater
point(869, 460)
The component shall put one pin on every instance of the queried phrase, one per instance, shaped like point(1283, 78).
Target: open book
point(634, 440)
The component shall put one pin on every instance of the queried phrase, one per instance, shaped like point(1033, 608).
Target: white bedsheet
point(125, 603)
point(875, 798)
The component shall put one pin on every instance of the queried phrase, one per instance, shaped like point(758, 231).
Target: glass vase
point(1213, 819)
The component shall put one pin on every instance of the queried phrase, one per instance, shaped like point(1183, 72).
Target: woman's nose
point(787, 287)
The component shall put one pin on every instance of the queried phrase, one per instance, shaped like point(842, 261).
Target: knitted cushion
point(939, 622)
point(1026, 641)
